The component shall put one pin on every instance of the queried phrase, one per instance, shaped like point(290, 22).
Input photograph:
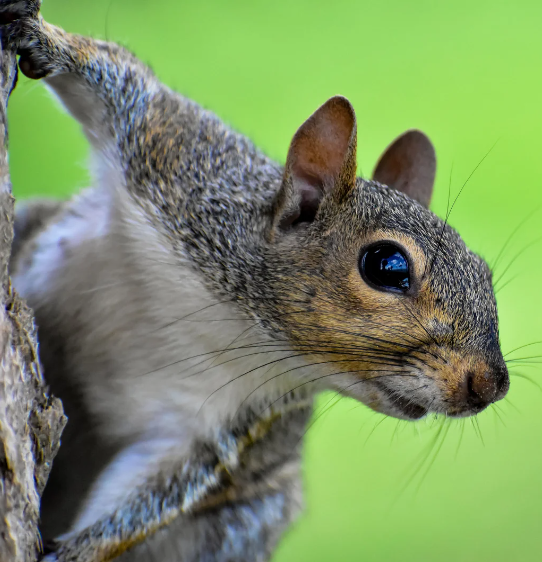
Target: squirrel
point(194, 300)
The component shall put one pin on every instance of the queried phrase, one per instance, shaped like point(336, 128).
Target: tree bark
point(31, 422)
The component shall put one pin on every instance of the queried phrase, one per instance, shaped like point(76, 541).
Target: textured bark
point(30, 422)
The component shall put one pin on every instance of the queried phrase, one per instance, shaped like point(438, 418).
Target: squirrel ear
point(321, 160)
point(409, 165)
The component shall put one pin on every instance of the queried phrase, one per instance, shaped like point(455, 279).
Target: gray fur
point(178, 258)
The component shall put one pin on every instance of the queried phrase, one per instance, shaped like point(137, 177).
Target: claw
point(30, 70)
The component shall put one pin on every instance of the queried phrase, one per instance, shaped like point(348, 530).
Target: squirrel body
point(93, 272)
point(193, 302)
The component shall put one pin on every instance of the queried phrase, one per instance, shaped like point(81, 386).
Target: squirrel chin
point(399, 406)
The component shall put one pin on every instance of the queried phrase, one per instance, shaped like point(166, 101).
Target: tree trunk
point(30, 421)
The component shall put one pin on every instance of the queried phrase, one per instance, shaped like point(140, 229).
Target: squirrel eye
point(385, 267)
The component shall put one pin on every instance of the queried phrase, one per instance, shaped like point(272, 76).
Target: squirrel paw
point(21, 26)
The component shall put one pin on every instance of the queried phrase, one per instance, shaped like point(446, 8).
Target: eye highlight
point(385, 266)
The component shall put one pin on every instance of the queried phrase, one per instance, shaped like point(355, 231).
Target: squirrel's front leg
point(117, 99)
point(209, 513)
point(148, 495)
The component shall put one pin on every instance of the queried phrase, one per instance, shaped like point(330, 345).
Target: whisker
point(350, 351)
point(476, 425)
point(445, 220)
point(514, 259)
point(419, 465)
point(435, 454)
point(392, 374)
point(522, 347)
point(496, 410)
point(501, 287)
point(509, 402)
point(293, 369)
point(523, 358)
point(340, 396)
point(527, 378)
point(511, 236)
point(383, 417)
point(461, 434)
point(439, 241)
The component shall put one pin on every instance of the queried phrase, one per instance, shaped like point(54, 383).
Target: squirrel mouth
point(408, 408)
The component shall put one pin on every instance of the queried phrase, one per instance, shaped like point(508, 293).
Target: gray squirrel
point(192, 303)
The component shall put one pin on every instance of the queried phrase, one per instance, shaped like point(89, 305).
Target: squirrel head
point(369, 282)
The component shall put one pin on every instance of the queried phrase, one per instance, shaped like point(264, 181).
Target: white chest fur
point(156, 354)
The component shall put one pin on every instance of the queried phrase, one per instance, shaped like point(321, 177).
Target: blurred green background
point(468, 73)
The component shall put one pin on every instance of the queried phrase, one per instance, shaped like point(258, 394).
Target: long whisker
point(391, 374)
point(505, 284)
point(439, 241)
point(319, 347)
point(476, 425)
point(338, 396)
point(496, 410)
point(435, 454)
point(523, 358)
point(525, 377)
point(511, 236)
point(419, 465)
point(515, 258)
point(445, 220)
point(460, 437)
point(402, 363)
point(293, 369)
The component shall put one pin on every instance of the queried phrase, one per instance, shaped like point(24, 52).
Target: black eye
point(385, 266)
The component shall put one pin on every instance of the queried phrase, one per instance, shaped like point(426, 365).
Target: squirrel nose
point(485, 386)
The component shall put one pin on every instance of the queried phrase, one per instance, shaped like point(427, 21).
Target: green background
point(469, 74)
